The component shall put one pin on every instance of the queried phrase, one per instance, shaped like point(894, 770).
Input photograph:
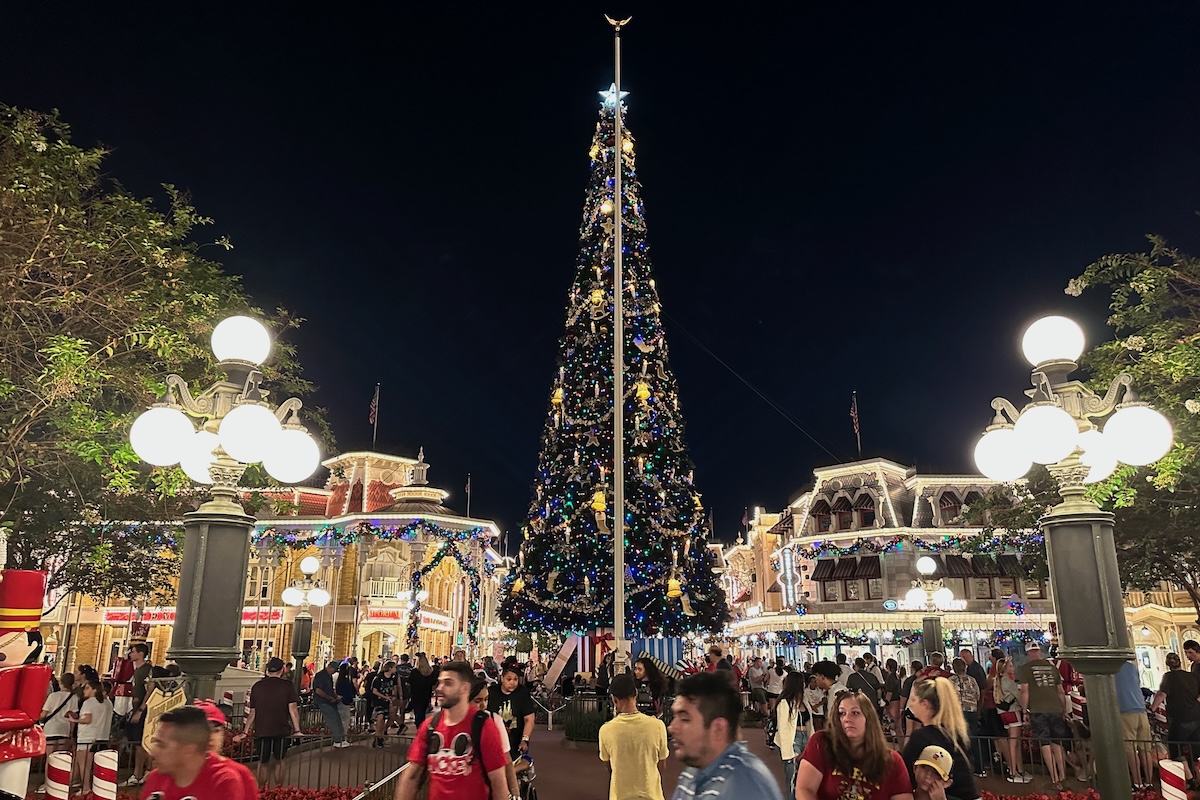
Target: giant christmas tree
point(564, 577)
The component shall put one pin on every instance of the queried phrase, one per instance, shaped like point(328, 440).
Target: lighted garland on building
point(467, 564)
point(966, 546)
point(813, 638)
point(341, 536)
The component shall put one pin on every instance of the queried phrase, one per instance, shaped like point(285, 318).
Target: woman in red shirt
point(851, 757)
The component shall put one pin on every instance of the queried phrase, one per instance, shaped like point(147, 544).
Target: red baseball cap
point(215, 715)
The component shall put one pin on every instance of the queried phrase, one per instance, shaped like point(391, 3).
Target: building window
point(1006, 587)
point(258, 586)
point(875, 588)
point(845, 515)
point(949, 507)
point(956, 585)
point(981, 588)
point(833, 591)
point(864, 506)
point(822, 518)
point(853, 590)
point(1033, 590)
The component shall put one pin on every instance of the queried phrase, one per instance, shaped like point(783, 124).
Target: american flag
point(854, 411)
point(373, 414)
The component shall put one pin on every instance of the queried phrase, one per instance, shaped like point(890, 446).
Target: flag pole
point(618, 361)
point(468, 495)
point(375, 417)
point(854, 419)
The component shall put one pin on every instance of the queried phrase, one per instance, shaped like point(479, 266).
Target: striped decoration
point(666, 653)
point(104, 775)
point(58, 775)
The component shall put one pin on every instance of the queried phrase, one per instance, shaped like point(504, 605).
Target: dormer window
point(864, 507)
point(949, 507)
point(844, 514)
point(822, 518)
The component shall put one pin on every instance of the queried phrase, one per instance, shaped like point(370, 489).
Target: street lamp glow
point(943, 597)
point(926, 565)
point(241, 339)
point(1139, 435)
point(248, 432)
point(915, 597)
point(293, 596)
point(309, 565)
point(998, 456)
point(1046, 433)
point(422, 596)
point(198, 456)
point(159, 435)
point(292, 456)
point(1052, 339)
point(318, 597)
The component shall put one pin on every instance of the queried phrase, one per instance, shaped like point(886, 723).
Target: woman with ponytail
point(935, 703)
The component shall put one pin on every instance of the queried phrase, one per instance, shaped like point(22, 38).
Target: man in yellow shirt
point(634, 745)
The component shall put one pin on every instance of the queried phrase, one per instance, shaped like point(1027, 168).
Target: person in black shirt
point(860, 680)
point(935, 704)
point(1179, 689)
point(515, 706)
point(383, 695)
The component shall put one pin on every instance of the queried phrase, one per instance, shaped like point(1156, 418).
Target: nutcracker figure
point(23, 681)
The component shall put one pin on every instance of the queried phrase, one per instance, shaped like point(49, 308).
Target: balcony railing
point(385, 587)
point(1159, 598)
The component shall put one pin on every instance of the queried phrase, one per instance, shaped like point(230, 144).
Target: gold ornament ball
point(627, 146)
point(598, 502)
point(597, 296)
point(557, 398)
point(518, 586)
point(643, 391)
point(606, 207)
point(595, 151)
point(674, 589)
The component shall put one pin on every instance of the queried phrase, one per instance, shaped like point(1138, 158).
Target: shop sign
point(386, 615)
point(166, 616)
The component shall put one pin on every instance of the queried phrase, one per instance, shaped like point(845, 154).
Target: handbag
point(1009, 718)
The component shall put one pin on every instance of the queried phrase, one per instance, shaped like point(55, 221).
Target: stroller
point(526, 775)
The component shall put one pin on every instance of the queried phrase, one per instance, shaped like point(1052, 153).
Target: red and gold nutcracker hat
point(22, 592)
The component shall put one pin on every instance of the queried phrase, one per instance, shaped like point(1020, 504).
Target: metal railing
point(384, 788)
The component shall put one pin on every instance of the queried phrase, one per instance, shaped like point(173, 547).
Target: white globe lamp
point(292, 457)
point(318, 597)
point(926, 565)
point(915, 597)
point(248, 432)
point(198, 456)
point(293, 596)
point(998, 455)
point(241, 339)
point(1052, 339)
point(160, 435)
point(423, 595)
point(943, 597)
point(1139, 435)
point(309, 565)
point(1046, 433)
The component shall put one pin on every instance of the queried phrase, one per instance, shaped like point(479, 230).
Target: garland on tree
point(340, 536)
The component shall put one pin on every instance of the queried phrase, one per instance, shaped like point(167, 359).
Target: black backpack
point(480, 719)
point(770, 728)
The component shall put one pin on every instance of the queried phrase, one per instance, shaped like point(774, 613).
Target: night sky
point(871, 198)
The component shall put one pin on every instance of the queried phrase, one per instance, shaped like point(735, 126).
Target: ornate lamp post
point(1059, 428)
point(234, 426)
point(304, 593)
point(930, 595)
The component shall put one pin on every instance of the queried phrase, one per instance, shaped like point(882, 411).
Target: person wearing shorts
point(1135, 726)
point(1043, 697)
point(273, 719)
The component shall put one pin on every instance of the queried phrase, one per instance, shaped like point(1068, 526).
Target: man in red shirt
point(183, 765)
point(456, 770)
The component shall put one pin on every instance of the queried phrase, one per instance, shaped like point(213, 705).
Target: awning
point(845, 568)
point(984, 567)
point(1010, 566)
point(868, 567)
point(958, 567)
point(823, 571)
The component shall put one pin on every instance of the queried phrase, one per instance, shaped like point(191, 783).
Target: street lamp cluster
point(304, 594)
point(1061, 428)
point(929, 592)
point(1060, 417)
point(237, 425)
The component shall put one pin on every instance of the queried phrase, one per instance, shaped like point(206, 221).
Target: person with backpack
point(459, 748)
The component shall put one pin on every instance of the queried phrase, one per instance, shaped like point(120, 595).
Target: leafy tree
point(103, 296)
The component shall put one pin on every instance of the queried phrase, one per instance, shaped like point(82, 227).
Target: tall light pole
point(304, 593)
point(234, 426)
point(932, 596)
point(1059, 427)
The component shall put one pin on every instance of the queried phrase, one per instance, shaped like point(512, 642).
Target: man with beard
point(462, 751)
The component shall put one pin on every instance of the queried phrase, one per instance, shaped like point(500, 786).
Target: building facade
point(405, 574)
point(830, 574)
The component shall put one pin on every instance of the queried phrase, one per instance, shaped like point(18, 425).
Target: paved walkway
point(564, 770)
